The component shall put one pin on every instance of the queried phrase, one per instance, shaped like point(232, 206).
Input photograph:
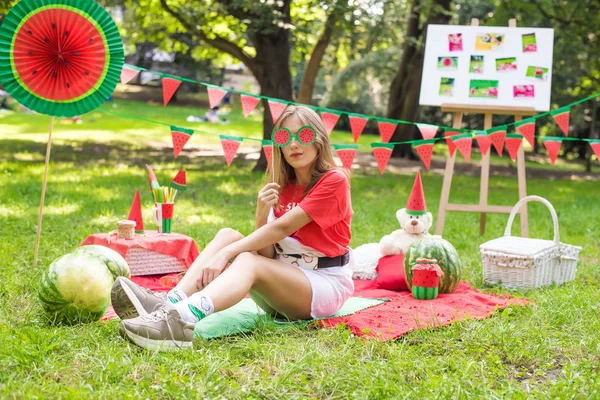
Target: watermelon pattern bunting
point(170, 86)
point(425, 149)
point(180, 137)
point(382, 153)
point(230, 144)
point(249, 103)
point(451, 146)
point(526, 128)
point(329, 120)
point(215, 95)
point(463, 144)
point(357, 124)
point(427, 131)
point(498, 137)
point(561, 116)
point(595, 145)
point(552, 145)
point(513, 143)
point(484, 142)
point(386, 130)
point(346, 153)
point(129, 72)
point(276, 109)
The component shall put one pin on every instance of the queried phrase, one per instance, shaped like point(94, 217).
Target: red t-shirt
point(329, 206)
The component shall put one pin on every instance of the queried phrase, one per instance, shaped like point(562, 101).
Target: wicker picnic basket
point(517, 262)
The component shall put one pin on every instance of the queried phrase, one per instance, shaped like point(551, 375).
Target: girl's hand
point(216, 265)
point(267, 198)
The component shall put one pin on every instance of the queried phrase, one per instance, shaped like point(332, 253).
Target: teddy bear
point(414, 221)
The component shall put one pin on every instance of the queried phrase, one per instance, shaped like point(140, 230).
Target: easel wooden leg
point(448, 174)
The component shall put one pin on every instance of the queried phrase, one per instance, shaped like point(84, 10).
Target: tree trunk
point(404, 92)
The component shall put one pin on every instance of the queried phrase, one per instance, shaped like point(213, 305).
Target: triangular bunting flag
point(561, 116)
point(425, 150)
point(463, 144)
point(595, 145)
point(180, 137)
point(451, 146)
point(329, 120)
point(276, 109)
point(230, 144)
point(346, 153)
point(249, 104)
point(268, 149)
point(179, 182)
point(552, 145)
point(513, 143)
point(427, 131)
point(526, 128)
point(215, 95)
point(386, 130)
point(382, 152)
point(135, 213)
point(129, 72)
point(357, 124)
point(484, 142)
point(498, 136)
point(170, 86)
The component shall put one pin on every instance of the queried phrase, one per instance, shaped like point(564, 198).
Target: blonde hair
point(323, 163)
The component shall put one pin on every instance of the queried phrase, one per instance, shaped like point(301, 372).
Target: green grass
point(548, 350)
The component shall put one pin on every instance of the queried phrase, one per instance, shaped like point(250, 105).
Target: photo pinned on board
point(523, 91)
point(476, 65)
point(447, 63)
point(529, 43)
point(447, 87)
point(483, 88)
point(506, 64)
point(455, 42)
point(489, 42)
point(537, 73)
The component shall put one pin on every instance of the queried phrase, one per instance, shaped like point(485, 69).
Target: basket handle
point(527, 199)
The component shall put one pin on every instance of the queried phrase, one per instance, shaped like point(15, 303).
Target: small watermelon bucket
point(426, 279)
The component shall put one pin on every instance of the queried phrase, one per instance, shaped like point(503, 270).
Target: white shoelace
point(159, 315)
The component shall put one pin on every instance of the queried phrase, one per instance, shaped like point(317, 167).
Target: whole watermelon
point(76, 289)
point(446, 256)
point(115, 263)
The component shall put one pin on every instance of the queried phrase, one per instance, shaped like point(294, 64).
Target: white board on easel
point(516, 70)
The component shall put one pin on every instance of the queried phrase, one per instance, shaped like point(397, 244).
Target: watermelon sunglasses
point(282, 137)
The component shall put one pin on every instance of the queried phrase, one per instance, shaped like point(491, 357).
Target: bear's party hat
point(416, 201)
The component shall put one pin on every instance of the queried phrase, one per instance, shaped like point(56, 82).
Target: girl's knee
point(230, 234)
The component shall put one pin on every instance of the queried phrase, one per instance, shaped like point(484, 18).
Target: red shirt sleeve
point(328, 202)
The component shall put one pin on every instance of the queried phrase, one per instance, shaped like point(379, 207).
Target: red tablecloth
point(171, 244)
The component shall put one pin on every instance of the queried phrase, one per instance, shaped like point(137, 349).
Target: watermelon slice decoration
point(425, 150)
point(267, 146)
point(215, 95)
point(60, 57)
point(484, 142)
point(595, 145)
point(329, 120)
point(170, 86)
point(230, 144)
point(513, 143)
point(451, 146)
point(427, 131)
point(552, 145)
point(249, 103)
point(526, 128)
point(463, 144)
point(135, 213)
point(357, 124)
point(382, 152)
point(129, 72)
point(346, 153)
point(386, 130)
point(276, 109)
point(179, 182)
point(498, 136)
point(561, 116)
point(180, 137)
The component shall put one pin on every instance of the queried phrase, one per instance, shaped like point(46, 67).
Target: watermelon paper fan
point(60, 57)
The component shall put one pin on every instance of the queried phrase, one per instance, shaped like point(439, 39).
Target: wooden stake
point(39, 224)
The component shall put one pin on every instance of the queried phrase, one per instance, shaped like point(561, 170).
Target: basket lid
point(527, 247)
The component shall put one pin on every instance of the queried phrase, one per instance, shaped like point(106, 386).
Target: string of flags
point(456, 138)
